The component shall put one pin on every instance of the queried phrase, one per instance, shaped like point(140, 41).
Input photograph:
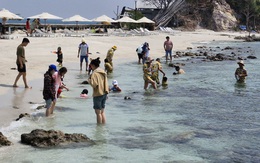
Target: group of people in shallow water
point(53, 78)
point(151, 69)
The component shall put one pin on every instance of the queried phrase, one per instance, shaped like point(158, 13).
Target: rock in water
point(252, 57)
point(85, 82)
point(43, 138)
point(4, 141)
point(22, 115)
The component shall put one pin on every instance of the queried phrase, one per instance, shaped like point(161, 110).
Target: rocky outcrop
point(43, 138)
point(223, 17)
point(215, 15)
point(4, 141)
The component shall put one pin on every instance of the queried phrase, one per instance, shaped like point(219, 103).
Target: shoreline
point(39, 57)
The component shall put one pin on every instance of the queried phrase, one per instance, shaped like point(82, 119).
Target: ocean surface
point(202, 116)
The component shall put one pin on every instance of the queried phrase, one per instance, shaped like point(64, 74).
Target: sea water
point(202, 116)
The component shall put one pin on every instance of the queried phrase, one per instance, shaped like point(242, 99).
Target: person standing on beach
point(28, 28)
point(110, 54)
point(20, 62)
point(49, 92)
point(168, 45)
point(59, 56)
point(84, 52)
point(241, 72)
point(156, 67)
point(33, 26)
point(147, 69)
point(98, 81)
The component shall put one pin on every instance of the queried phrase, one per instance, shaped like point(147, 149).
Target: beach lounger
point(72, 33)
point(9, 37)
point(39, 33)
point(150, 32)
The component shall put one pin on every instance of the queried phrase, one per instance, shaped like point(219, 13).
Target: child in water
point(178, 70)
point(59, 56)
point(115, 87)
point(58, 78)
point(164, 81)
point(84, 93)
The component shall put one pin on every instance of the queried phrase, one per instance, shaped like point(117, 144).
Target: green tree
point(248, 9)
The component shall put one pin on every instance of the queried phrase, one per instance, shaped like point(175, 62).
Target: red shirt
point(27, 24)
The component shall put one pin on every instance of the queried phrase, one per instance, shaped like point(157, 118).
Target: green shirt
point(20, 53)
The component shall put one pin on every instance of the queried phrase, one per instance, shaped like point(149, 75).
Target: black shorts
point(21, 69)
point(140, 55)
point(59, 60)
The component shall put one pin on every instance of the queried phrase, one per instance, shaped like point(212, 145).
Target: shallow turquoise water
point(203, 116)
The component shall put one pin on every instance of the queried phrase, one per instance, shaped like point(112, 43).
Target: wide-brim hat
point(241, 62)
point(114, 47)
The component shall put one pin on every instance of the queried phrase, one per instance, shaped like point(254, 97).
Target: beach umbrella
point(9, 15)
point(145, 20)
point(45, 16)
point(76, 18)
point(126, 19)
point(103, 18)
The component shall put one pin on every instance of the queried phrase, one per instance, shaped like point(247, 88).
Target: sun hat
point(83, 40)
point(114, 47)
point(114, 82)
point(241, 62)
point(52, 67)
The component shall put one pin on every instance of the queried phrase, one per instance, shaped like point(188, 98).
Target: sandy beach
point(38, 54)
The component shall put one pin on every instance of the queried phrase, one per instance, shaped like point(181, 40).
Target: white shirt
point(83, 49)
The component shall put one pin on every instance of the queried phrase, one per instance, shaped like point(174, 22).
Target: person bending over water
point(147, 69)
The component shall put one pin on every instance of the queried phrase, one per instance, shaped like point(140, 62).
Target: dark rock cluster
point(216, 53)
point(43, 138)
point(4, 141)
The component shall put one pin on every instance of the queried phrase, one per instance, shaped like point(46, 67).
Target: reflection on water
point(18, 97)
point(240, 88)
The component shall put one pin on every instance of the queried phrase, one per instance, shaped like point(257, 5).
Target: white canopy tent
point(126, 19)
point(104, 18)
point(76, 18)
point(9, 15)
point(45, 16)
point(145, 20)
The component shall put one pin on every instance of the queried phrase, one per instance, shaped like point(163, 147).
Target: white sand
point(39, 57)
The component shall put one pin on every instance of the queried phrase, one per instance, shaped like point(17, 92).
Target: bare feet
point(28, 87)
point(15, 85)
